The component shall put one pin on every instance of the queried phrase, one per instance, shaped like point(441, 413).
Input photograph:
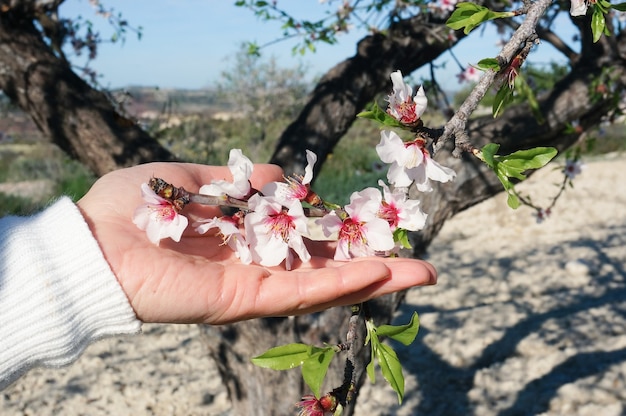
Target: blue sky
point(189, 43)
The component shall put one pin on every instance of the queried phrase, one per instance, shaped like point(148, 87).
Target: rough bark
point(266, 392)
point(78, 118)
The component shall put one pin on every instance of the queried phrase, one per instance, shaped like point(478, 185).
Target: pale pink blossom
point(542, 214)
point(573, 168)
point(312, 406)
point(470, 74)
point(447, 5)
point(402, 105)
point(442, 8)
point(232, 235)
point(158, 217)
point(297, 187)
point(410, 162)
point(399, 211)
point(578, 7)
point(273, 231)
point(361, 232)
point(241, 168)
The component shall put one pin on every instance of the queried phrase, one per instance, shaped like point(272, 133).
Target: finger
point(402, 274)
point(297, 292)
point(264, 173)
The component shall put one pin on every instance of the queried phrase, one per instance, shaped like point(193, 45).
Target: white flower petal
point(421, 101)
point(439, 173)
point(311, 158)
point(379, 235)
point(390, 146)
point(397, 176)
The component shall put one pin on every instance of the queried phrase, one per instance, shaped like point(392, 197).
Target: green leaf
point(534, 158)
point(468, 16)
point(315, 367)
point(503, 98)
point(379, 115)
point(488, 153)
point(621, 7)
point(400, 235)
point(598, 23)
point(604, 5)
point(512, 200)
point(372, 339)
point(489, 63)
point(391, 368)
point(514, 165)
point(402, 333)
point(253, 49)
point(285, 357)
point(371, 373)
point(387, 359)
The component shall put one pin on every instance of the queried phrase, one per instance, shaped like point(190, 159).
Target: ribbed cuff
point(57, 292)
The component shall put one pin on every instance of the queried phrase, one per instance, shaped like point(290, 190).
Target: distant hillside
point(138, 100)
point(141, 103)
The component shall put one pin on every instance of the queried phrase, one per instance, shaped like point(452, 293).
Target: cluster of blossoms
point(272, 224)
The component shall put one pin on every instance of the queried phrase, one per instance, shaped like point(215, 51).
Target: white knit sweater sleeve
point(57, 291)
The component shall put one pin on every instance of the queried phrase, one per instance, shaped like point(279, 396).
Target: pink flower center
point(280, 225)
point(297, 189)
point(407, 112)
point(389, 213)
point(352, 231)
point(166, 212)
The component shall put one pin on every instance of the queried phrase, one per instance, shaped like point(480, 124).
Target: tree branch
point(456, 126)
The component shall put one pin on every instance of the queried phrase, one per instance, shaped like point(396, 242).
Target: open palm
point(199, 279)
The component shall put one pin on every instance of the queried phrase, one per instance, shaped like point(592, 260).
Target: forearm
point(57, 292)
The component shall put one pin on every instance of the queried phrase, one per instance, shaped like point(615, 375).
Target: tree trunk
point(329, 113)
point(79, 119)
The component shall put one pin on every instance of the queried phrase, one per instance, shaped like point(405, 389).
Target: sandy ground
point(527, 319)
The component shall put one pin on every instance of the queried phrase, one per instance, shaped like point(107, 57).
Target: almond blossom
point(402, 105)
point(297, 187)
point(273, 231)
point(442, 8)
point(578, 7)
point(572, 168)
point(159, 217)
point(361, 232)
point(470, 74)
point(410, 162)
point(241, 168)
point(542, 214)
point(228, 227)
point(312, 406)
point(399, 211)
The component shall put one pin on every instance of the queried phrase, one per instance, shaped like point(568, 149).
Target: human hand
point(200, 280)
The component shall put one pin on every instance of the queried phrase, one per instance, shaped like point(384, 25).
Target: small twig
point(456, 127)
point(346, 392)
point(180, 197)
point(528, 203)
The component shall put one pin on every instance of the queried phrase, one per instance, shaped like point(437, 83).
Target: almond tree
point(86, 123)
point(586, 96)
point(79, 118)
